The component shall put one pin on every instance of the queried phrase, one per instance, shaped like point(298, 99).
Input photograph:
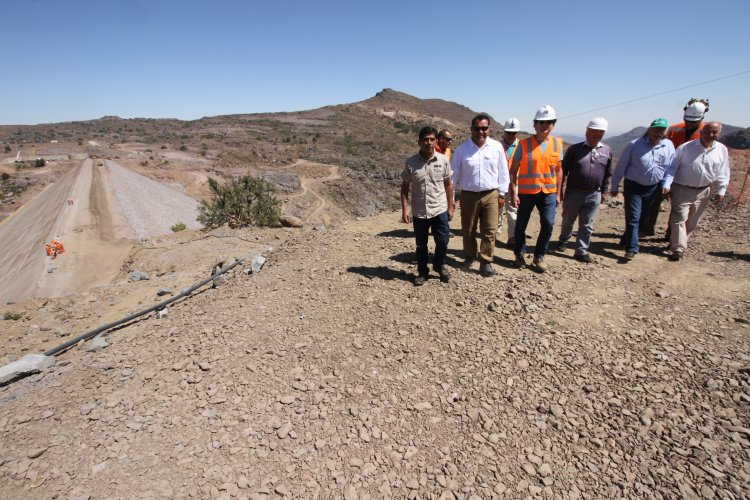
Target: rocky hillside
point(369, 140)
point(737, 140)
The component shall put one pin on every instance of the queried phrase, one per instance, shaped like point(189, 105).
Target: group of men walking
point(513, 177)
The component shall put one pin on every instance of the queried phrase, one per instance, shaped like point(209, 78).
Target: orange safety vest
point(676, 134)
point(537, 170)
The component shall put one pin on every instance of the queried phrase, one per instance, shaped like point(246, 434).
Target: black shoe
point(675, 256)
point(420, 280)
point(629, 255)
point(445, 276)
point(585, 258)
point(562, 247)
point(486, 270)
point(520, 261)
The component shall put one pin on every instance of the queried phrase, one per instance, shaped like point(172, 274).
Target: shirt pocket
point(491, 157)
point(436, 175)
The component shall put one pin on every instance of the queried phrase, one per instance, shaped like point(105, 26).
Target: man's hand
point(604, 197)
point(613, 194)
point(717, 199)
point(665, 193)
point(559, 198)
point(500, 201)
point(451, 209)
point(405, 218)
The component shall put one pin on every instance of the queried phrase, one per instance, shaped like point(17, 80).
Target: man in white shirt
point(480, 173)
point(699, 165)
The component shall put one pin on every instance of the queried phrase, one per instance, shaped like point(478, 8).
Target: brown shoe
point(539, 264)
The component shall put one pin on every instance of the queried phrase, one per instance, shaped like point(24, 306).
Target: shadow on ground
point(398, 233)
point(380, 272)
point(731, 255)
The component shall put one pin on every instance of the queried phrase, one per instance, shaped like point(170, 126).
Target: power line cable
point(657, 94)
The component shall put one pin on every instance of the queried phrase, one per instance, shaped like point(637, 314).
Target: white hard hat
point(695, 111)
point(512, 125)
point(598, 123)
point(545, 113)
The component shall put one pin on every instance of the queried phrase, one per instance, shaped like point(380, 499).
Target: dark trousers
point(638, 201)
point(545, 204)
point(440, 233)
point(648, 228)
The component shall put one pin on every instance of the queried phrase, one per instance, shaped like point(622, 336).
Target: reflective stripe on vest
point(537, 170)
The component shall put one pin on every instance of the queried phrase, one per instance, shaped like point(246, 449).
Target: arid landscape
point(328, 374)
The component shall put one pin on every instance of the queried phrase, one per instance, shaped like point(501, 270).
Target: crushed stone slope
point(329, 375)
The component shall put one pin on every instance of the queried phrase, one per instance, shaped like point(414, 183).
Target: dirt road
point(95, 211)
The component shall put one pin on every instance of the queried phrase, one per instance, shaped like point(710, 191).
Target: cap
point(512, 125)
point(545, 113)
point(598, 123)
point(659, 123)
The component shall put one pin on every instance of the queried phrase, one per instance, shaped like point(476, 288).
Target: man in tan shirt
point(428, 175)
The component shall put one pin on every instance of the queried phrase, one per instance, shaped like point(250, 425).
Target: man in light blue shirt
point(643, 164)
point(480, 173)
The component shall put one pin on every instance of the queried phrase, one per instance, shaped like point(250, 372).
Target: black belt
point(487, 191)
point(693, 187)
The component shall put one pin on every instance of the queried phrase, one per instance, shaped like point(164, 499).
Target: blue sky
point(81, 59)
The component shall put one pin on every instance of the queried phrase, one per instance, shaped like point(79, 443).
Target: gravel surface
point(329, 375)
point(151, 208)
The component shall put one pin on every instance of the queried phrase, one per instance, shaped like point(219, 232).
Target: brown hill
point(368, 140)
point(392, 100)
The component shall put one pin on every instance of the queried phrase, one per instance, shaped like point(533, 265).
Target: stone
point(291, 221)
point(257, 264)
point(164, 291)
point(138, 276)
point(29, 364)
point(96, 344)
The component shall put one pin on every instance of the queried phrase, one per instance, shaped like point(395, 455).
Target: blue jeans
point(638, 201)
point(546, 204)
point(583, 206)
point(440, 233)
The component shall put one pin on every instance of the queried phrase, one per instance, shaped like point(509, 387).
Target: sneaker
point(562, 247)
point(468, 263)
point(585, 258)
point(420, 280)
point(486, 270)
point(539, 264)
point(629, 255)
point(445, 276)
point(520, 262)
point(675, 256)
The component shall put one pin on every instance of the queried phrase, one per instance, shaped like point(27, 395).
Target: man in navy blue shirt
point(587, 169)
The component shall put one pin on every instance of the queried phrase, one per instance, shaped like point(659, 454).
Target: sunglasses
point(478, 128)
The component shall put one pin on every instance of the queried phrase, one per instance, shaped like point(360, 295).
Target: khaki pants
point(479, 208)
point(688, 205)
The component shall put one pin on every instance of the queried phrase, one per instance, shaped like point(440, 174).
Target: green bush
point(180, 226)
point(248, 201)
